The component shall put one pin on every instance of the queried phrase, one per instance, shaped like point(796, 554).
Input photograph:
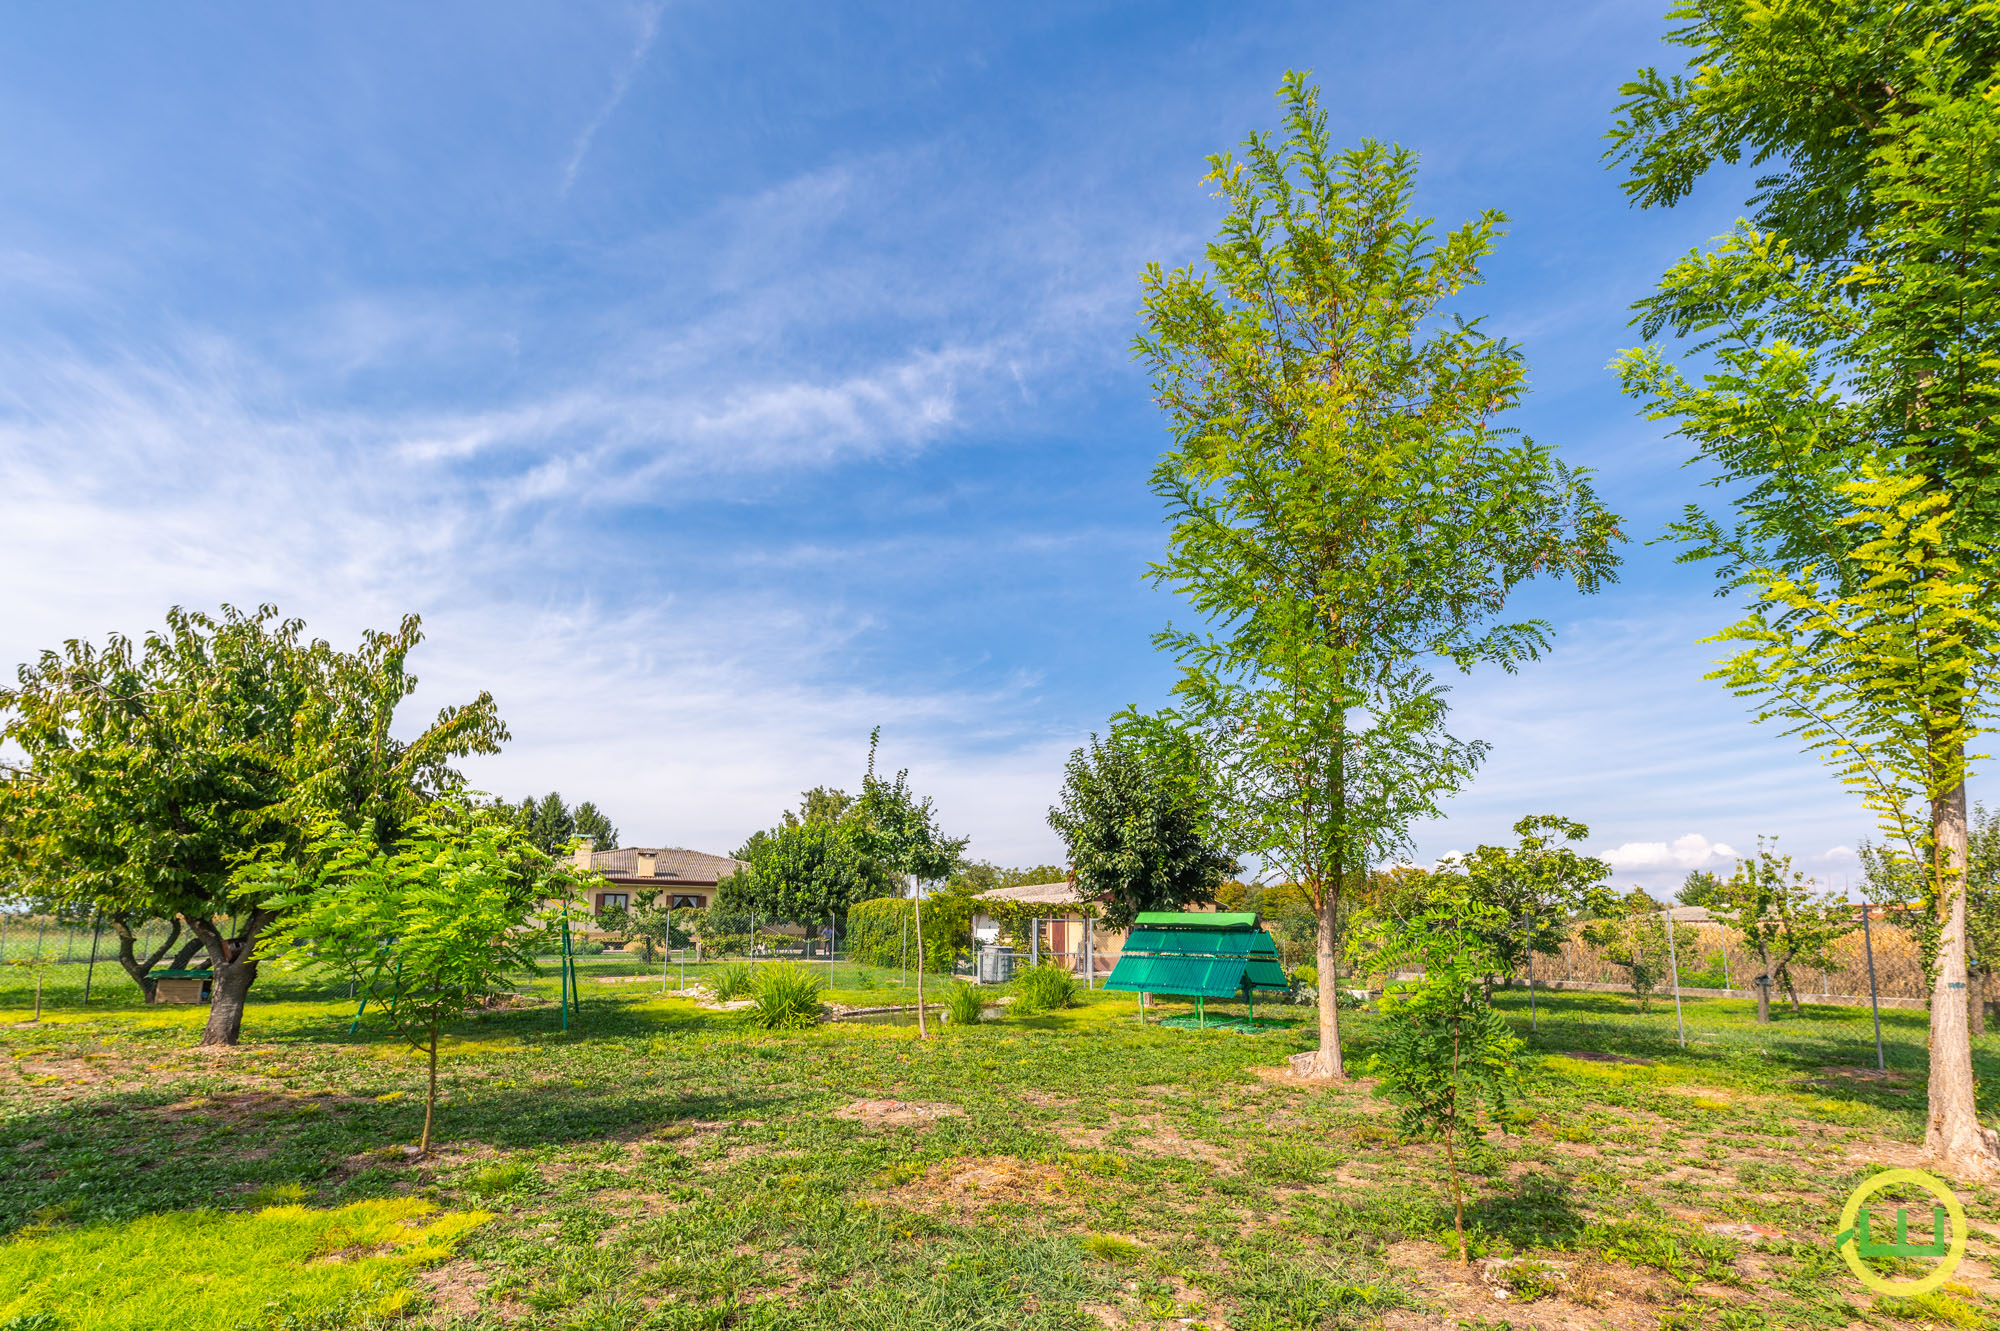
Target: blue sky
point(720, 381)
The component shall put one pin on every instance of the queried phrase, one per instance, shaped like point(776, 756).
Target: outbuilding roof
point(1036, 894)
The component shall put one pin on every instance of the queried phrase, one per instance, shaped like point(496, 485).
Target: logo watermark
point(1864, 1234)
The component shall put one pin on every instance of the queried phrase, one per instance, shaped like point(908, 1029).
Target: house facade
point(657, 875)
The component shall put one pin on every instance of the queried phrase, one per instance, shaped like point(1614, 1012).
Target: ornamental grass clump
point(735, 980)
point(787, 997)
point(1045, 988)
point(964, 1005)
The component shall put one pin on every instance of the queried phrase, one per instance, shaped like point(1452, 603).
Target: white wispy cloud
point(621, 84)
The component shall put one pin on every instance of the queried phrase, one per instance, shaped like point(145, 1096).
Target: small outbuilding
point(1188, 954)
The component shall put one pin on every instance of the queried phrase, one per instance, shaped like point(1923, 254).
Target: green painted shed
point(1191, 954)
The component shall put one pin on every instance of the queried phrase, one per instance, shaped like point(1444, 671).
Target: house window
point(684, 902)
point(614, 901)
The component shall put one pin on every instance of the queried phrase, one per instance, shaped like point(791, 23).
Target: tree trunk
point(1975, 994)
point(128, 954)
point(923, 1031)
point(1326, 1066)
point(1762, 984)
point(430, 1095)
point(1953, 1136)
point(231, 990)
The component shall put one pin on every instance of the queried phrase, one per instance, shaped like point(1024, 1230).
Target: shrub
point(1045, 988)
point(787, 997)
point(1306, 975)
point(735, 980)
point(964, 1004)
point(879, 931)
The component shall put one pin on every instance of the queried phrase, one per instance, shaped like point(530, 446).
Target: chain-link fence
point(1680, 979)
point(58, 963)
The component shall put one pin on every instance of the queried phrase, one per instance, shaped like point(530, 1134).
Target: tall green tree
point(163, 779)
point(1850, 330)
point(1346, 505)
point(551, 825)
point(1138, 827)
point(807, 872)
point(900, 829)
point(836, 808)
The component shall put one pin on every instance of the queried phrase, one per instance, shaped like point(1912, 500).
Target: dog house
point(1185, 954)
point(182, 986)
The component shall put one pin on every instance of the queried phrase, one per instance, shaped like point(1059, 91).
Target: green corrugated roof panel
point(1194, 977)
point(1188, 943)
point(1197, 955)
point(1266, 973)
point(1203, 976)
point(1195, 919)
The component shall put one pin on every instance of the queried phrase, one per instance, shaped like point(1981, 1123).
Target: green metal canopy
point(1191, 955)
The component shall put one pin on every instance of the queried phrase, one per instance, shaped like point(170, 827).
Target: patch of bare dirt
point(242, 1106)
point(453, 1288)
point(895, 1113)
point(970, 1186)
point(1044, 1100)
point(1590, 1297)
point(1165, 1139)
point(1594, 1056)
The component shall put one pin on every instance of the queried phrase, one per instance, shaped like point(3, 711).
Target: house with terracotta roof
point(652, 875)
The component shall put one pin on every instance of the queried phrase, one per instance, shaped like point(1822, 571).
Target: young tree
point(1138, 828)
point(429, 927)
point(1633, 937)
point(1446, 1056)
point(164, 779)
point(652, 923)
point(1780, 917)
point(900, 829)
point(1851, 329)
point(1346, 506)
point(1536, 887)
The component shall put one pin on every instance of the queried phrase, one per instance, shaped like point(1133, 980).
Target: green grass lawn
point(664, 1166)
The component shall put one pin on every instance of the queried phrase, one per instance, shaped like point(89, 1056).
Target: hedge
point(878, 930)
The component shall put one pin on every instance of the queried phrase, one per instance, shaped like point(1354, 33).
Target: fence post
point(1533, 1020)
point(40, 933)
point(96, 930)
point(1674, 965)
point(1035, 941)
point(1874, 1006)
point(1089, 952)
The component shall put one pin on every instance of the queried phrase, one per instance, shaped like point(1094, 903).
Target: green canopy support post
point(1201, 1011)
point(568, 974)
